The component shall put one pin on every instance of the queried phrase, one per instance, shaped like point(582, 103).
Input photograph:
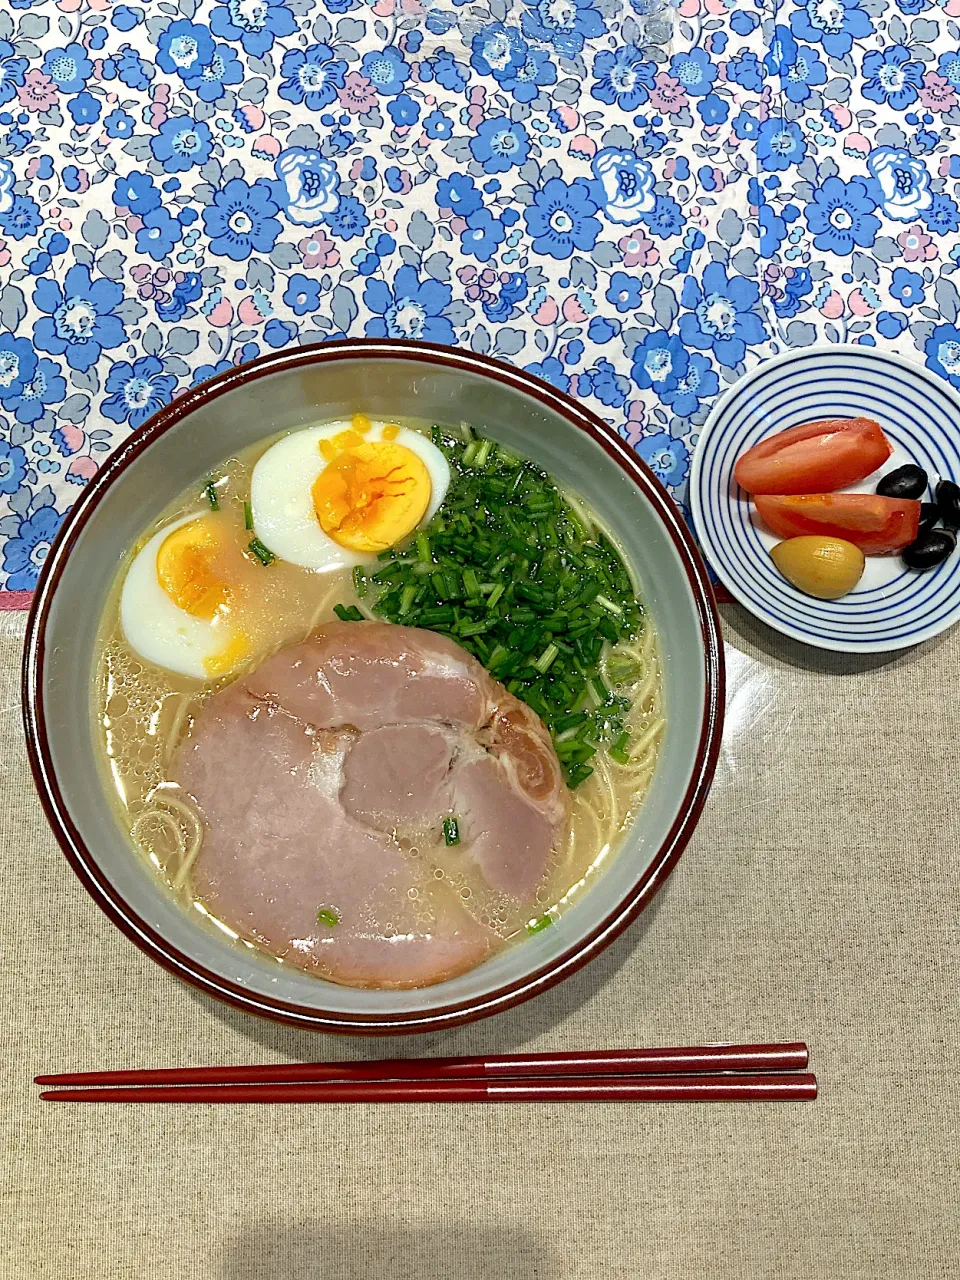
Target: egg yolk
point(186, 572)
point(371, 494)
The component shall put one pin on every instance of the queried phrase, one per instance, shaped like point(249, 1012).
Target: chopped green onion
point(470, 452)
point(546, 659)
point(483, 453)
point(538, 925)
point(451, 831)
point(211, 492)
point(359, 581)
point(329, 916)
point(263, 554)
point(407, 599)
point(471, 584)
point(618, 751)
point(348, 613)
point(247, 516)
point(580, 774)
point(494, 595)
point(423, 547)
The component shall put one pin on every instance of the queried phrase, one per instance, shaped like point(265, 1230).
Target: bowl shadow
point(500, 1033)
point(367, 1250)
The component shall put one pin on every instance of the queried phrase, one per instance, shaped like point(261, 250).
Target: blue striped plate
point(892, 606)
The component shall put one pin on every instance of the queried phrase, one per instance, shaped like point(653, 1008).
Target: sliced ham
point(323, 779)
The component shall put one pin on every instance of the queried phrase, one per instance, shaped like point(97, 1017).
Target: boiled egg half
point(333, 496)
point(176, 606)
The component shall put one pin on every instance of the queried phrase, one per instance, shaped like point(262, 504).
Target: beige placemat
point(819, 899)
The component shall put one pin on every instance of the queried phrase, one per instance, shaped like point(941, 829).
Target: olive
point(909, 481)
point(930, 549)
point(948, 501)
point(929, 515)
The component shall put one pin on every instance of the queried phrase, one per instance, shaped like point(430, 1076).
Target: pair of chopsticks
point(714, 1073)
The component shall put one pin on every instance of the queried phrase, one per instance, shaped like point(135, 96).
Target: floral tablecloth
point(184, 186)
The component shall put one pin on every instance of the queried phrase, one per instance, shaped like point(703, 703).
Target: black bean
point(948, 501)
point(930, 549)
point(909, 481)
point(929, 515)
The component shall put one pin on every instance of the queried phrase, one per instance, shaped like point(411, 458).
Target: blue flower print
point(22, 218)
point(948, 67)
point(624, 291)
point(780, 144)
point(500, 144)
point(209, 81)
point(891, 77)
point(623, 76)
point(561, 218)
point(798, 285)
point(942, 350)
point(668, 459)
point(841, 216)
point(13, 467)
point(626, 183)
point(835, 24)
point(184, 49)
point(79, 319)
point(132, 70)
point(943, 216)
point(136, 390)
point(136, 192)
point(18, 362)
point(659, 363)
point(498, 51)
point(699, 382)
point(566, 24)
point(12, 71)
point(907, 287)
point(158, 235)
point(404, 111)
point(7, 180)
point(722, 315)
point(241, 220)
point(746, 71)
point(665, 218)
point(348, 219)
point(459, 193)
point(773, 230)
point(535, 73)
point(307, 184)
point(182, 144)
point(446, 70)
point(185, 291)
point(437, 125)
point(550, 370)
point(119, 124)
point(712, 110)
point(386, 70)
point(45, 387)
point(603, 381)
point(311, 76)
point(412, 309)
point(694, 70)
point(255, 23)
point(302, 294)
point(483, 236)
point(513, 290)
point(84, 108)
point(204, 372)
point(904, 183)
point(23, 555)
point(68, 68)
point(803, 73)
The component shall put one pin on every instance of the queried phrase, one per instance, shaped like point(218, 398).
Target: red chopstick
point(762, 1087)
point(602, 1062)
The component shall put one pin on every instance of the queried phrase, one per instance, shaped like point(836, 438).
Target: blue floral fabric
point(186, 185)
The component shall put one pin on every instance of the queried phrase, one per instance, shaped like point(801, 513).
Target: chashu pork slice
point(323, 779)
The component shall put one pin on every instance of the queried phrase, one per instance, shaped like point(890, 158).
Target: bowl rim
point(84, 863)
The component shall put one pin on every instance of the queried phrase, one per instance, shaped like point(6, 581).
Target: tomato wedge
point(872, 523)
point(816, 457)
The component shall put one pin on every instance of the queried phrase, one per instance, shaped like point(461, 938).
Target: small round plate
point(892, 606)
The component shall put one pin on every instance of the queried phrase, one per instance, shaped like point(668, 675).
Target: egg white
point(155, 627)
point(284, 518)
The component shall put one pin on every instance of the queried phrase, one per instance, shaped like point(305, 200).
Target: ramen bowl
point(295, 389)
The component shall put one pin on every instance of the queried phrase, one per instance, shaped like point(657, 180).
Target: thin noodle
point(173, 737)
point(650, 736)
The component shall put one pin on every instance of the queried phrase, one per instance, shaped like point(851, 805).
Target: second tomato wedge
point(815, 457)
point(874, 524)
